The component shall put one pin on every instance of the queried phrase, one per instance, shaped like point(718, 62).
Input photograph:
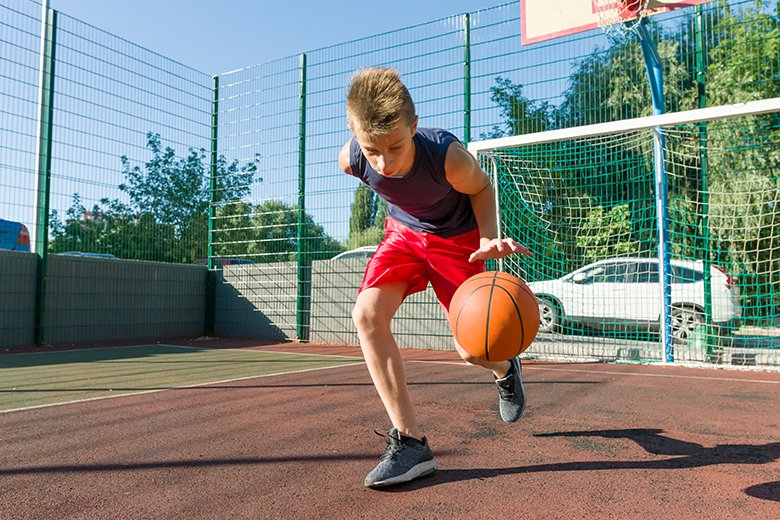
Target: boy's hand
point(498, 248)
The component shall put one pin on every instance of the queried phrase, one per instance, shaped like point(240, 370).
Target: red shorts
point(416, 257)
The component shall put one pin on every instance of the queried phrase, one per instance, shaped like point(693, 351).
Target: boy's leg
point(499, 368)
point(407, 455)
point(374, 309)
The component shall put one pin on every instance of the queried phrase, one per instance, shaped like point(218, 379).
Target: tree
point(520, 115)
point(167, 215)
point(367, 217)
point(602, 178)
point(606, 234)
point(174, 190)
point(274, 235)
point(744, 156)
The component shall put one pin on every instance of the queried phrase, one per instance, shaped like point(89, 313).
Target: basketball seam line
point(519, 318)
point(460, 311)
point(487, 322)
point(522, 286)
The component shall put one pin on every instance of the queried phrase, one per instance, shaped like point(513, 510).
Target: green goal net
point(585, 201)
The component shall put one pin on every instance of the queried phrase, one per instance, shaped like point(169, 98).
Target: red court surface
point(596, 441)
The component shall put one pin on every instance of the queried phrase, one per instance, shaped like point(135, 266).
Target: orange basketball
point(494, 316)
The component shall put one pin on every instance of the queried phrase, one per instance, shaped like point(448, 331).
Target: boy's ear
point(414, 125)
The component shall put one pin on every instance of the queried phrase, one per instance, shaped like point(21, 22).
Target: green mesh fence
point(152, 160)
point(127, 130)
point(130, 134)
point(106, 167)
point(20, 39)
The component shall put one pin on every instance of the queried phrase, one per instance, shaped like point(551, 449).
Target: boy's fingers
point(499, 247)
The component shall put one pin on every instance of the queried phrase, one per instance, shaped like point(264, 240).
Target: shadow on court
point(686, 455)
point(767, 491)
point(184, 464)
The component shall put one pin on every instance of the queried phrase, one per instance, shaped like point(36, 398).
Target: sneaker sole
point(420, 470)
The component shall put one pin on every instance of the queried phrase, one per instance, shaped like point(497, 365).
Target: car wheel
point(684, 321)
point(549, 316)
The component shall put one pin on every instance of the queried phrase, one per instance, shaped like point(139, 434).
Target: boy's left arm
point(465, 175)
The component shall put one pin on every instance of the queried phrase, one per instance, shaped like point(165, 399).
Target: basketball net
point(619, 18)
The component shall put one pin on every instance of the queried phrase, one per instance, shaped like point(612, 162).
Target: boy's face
point(390, 154)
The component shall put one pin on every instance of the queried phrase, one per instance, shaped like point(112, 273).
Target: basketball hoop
point(619, 18)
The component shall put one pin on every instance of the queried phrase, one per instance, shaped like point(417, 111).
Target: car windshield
point(608, 273)
point(636, 271)
point(646, 272)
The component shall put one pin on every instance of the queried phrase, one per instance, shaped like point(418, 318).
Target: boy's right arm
point(344, 158)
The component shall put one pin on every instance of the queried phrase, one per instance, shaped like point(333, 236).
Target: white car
point(360, 252)
point(625, 293)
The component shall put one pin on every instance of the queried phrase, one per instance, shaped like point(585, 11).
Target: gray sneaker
point(511, 393)
point(404, 459)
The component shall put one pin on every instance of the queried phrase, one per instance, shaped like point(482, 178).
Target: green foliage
point(363, 209)
point(606, 234)
point(612, 84)
point(367, 218)
point(580, 201)
point(167, 216)
point(273, 236)
point(520, 115)
point(367, 237)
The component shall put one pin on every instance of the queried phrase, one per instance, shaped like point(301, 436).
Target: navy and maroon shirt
point(422, 199)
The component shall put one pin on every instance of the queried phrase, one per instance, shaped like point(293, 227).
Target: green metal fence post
point(704, 222)
point(303, 300)
point(211, 279)
point(466, 79)
point(43, 161)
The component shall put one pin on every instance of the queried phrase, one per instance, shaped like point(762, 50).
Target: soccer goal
point(640, 263)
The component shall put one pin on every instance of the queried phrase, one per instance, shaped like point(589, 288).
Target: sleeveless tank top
point(422, 199)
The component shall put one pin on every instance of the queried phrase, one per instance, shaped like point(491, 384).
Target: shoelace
point(393, 445)
point(507, 394)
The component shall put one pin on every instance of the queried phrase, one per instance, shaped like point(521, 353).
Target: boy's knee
point(362, 315)
point(469, 358)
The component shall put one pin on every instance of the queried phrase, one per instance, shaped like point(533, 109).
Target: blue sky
point(218, 36)
point(107, 114)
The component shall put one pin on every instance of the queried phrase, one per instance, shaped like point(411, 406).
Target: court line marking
point(361, 362)
point(93, 349)
point(186, 347)
point(604, 372)
point(615, 373)
point(672, 376)
point(196, 385)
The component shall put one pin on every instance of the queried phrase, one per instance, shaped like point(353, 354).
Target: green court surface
point(37, 379)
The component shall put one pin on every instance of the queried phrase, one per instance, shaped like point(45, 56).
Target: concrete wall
point(100, 300)
point(420, 321)
point(18, 275)
point(257, 301)
point(96, 300)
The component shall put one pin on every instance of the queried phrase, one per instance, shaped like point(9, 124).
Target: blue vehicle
point(92, 255)
point(14, 236)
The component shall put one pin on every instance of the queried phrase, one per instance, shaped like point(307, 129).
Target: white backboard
point(547, 19)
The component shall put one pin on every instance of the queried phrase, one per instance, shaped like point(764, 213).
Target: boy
point(441, 226)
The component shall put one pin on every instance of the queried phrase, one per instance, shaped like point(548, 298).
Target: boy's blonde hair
point(377, 101)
